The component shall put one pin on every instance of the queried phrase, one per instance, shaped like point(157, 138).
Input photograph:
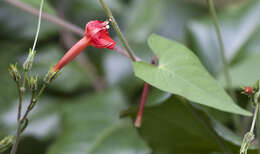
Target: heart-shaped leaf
point(180, 72)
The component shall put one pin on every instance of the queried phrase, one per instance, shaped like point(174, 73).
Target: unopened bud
point(248, 138)
point(14, 72)
point(51, 75)
point(27, 65)
point(6, 143)
point(33, 82)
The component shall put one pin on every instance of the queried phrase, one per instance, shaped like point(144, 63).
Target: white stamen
point(107, 26)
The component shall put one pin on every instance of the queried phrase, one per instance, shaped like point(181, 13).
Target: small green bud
point(51, 75)
point(33, 82)
point(248, 138)
point(27, 65)
point(14, 72)
point(6, 143)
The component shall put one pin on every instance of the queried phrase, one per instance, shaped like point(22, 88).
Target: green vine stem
point(118, 31)
point(220, 40)
point(224, 59)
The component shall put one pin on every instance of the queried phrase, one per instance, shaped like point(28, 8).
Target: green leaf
point(244, 73)
point(180, 72)
point(237, 24)
point(178, 127)
point(92, 126)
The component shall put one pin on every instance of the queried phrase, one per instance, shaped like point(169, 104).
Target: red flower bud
point(248, 90)
point(96, 35)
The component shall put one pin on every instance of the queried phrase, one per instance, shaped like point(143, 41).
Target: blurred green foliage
point(73, 118)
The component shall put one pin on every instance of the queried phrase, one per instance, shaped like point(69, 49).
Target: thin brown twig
point(51, 18)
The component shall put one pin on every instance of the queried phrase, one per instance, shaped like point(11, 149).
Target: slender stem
point(44, 86)
point(20, 101)
point(220, 40)
point(21, 120)
point(118, 31)
point(254, 119)
point(17, 138)
point(38, 27)
point(34, 100)
point(258, 130)
point(18, 131)
point(145, 92)
point(21, 90)
point(29, 108)
point(21, 93)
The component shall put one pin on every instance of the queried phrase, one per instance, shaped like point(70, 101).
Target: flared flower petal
point(97, 32)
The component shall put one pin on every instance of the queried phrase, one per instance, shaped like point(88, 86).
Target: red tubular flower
point(96, 35)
